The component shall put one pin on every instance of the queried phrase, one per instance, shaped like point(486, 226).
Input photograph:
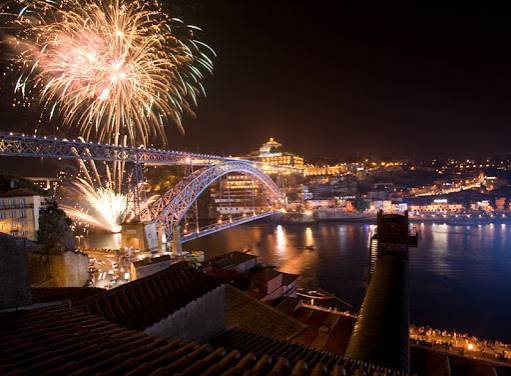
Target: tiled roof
point(146, 301)
point(326, 330)
point(19, 192)
point(287, 278)
point(267, 274)
point(68, 341)
point(250, 314)
point(150, 261)
point(228, 260)
point(74, 294)
point(294, 359)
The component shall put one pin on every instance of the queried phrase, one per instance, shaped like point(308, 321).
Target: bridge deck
point(208, 230)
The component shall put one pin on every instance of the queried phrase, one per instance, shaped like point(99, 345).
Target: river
point(460, 275)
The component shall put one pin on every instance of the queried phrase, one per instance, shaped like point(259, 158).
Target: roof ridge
point(67, 339)
point(144, 302)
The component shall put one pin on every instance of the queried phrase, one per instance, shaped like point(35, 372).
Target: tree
point(55, 232)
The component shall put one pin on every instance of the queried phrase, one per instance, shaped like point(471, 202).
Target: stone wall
point(68, 269)
point(39, 267)
point(198, 320)
point(15, 288)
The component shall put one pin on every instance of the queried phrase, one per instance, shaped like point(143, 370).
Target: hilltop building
point(270, 153)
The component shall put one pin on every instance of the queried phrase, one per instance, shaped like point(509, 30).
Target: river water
point(460, 275)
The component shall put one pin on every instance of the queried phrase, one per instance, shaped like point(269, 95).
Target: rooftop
point(250, 314)
point(19, 192)
point(146, 301)
point(150, 260)
point(65, 341)
point(267, 274)
point(73, 294)
point(229, 260)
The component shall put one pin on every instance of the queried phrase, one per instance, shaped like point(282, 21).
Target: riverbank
point(454, 269)
point(459, 220)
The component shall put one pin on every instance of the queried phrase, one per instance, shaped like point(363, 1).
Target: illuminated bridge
point(170, 209)
point(46, 147)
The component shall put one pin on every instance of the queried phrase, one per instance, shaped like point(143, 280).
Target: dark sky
point(331, 80)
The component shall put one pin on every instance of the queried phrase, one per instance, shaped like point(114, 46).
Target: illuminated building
point(45, 183)
point(314, 170)
point(19, 213)
point(437, 206)
point(237, 194)
point(271, 154)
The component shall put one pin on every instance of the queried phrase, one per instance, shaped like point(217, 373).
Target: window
point(22, 202)
point(22, 213)
point(13, 213)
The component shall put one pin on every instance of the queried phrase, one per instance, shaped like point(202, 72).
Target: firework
point(97, 193)
point(112, 68)
point(101, 202)
point(108, 207)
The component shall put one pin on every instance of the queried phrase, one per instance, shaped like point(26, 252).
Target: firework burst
point(108, 207)
point(96, 196)
point(112, 68)
point(100, 203)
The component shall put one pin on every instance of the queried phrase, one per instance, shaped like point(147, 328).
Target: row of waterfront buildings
point(422, 188)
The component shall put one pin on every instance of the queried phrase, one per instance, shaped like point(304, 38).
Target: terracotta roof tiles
point(244, 311)
point(146, 301)
point(68, 341)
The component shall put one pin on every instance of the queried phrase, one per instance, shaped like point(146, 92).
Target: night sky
point(333, 81)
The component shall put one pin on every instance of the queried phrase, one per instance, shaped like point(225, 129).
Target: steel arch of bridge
point(171, 208)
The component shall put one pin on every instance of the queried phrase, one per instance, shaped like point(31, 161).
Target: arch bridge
point(171, 208)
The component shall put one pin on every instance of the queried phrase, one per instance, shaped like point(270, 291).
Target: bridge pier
point(140, 235)
point(176, 247)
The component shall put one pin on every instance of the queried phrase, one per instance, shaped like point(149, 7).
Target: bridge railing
point(36, 146)
point(15, 145)
point(210, 229)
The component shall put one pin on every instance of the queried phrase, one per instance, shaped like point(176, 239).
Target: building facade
point(238, 194)
point(19, 213)
point(271, 154)
point(321, 170)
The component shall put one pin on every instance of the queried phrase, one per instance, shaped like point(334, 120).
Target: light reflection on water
point(460, 275)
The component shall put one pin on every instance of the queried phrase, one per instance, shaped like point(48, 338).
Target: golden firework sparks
point(112, 68)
